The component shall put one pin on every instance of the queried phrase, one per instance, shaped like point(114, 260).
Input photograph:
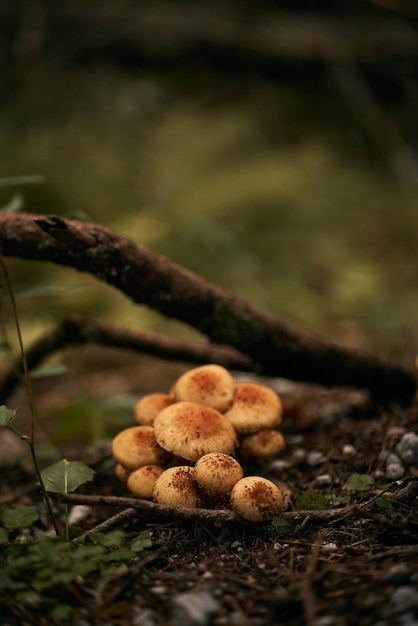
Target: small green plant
point(281, 525)
point(311, 500)
point(359, 483)
point(31, 569)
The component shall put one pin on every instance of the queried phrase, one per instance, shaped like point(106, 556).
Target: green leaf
point(22, 517)
point(108, 540)
point(281, 525)
point(311, 500)
point(65, 476)
point(141, 542)
point(4, 535)
point(359, 482)
point(6, 417)
point(335, 500)
point(61, 612)
point(384, 502)
point(5, 579)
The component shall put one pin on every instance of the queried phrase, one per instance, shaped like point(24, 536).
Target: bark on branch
point(78, 331)
point(151, 279)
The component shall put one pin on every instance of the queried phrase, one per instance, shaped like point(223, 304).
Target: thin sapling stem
point(31, 439)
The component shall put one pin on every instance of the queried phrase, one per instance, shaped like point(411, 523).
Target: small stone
point(394, 471)
point(404, 599)
point(323, 480)
point(407, 448)
point(349, 451)
point(389, 457)
point(397, 574)
point(142, 617)
point(278, 466)
point(194, 608)
point(299, 455)
point(315, 458)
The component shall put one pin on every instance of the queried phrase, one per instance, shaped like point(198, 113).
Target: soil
point(325, 571)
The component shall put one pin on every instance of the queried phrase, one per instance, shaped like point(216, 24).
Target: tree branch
point(151, 511)
point(77, 331)
point(151, 279)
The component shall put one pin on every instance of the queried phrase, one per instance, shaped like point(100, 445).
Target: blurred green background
point(270, 147)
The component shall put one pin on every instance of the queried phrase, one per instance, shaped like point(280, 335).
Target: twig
point(161, 513)
point(407, 493)
point(112, 522)
point(225, 319)
point(307, 590)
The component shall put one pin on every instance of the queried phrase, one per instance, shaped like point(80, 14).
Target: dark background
point(269, 146)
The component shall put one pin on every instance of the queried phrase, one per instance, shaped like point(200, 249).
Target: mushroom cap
point(217, 472)
point(142, 480)
point(256, 499)
point(263, 444)
point(148, 407)
point(255, 406)
point(136, 446)
point(177, 486)
point(211, 385)
point(190, 430)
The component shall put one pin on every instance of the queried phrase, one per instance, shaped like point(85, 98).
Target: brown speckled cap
point(211, 385)
point(217, 472)
point(256, 499)
point(142, 480)
point(266, 443)
point(137, 446)
point(177, 486)
point(190, 430)
point(148, 407)
point(255, 406)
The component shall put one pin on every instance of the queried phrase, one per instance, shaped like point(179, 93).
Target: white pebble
point(323, 480)
point(407, 448)
point(404, 599)
point(349, 450)
point(394, 471)
point(194, 608)
point(315, 458)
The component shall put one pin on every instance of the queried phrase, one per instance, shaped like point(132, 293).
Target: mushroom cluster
point(187, 446)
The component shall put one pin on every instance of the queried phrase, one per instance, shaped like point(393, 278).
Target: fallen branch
point(77, 331)
point(151, 511)
point(406, 494)
point(151, 279)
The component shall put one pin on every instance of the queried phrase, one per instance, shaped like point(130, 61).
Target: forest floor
point(318, 569)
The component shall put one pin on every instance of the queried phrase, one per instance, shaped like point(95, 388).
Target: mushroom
point(211, 385)
point(217, 472)
point(263, 444)
point(177, 486)
point(121, 472)
point(136, 446)
point(142, 480)
point(256, 499)
point(148, 407)
point(190, 430)
point(255, 406)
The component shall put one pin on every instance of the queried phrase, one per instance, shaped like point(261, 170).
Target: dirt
point(322, 572)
